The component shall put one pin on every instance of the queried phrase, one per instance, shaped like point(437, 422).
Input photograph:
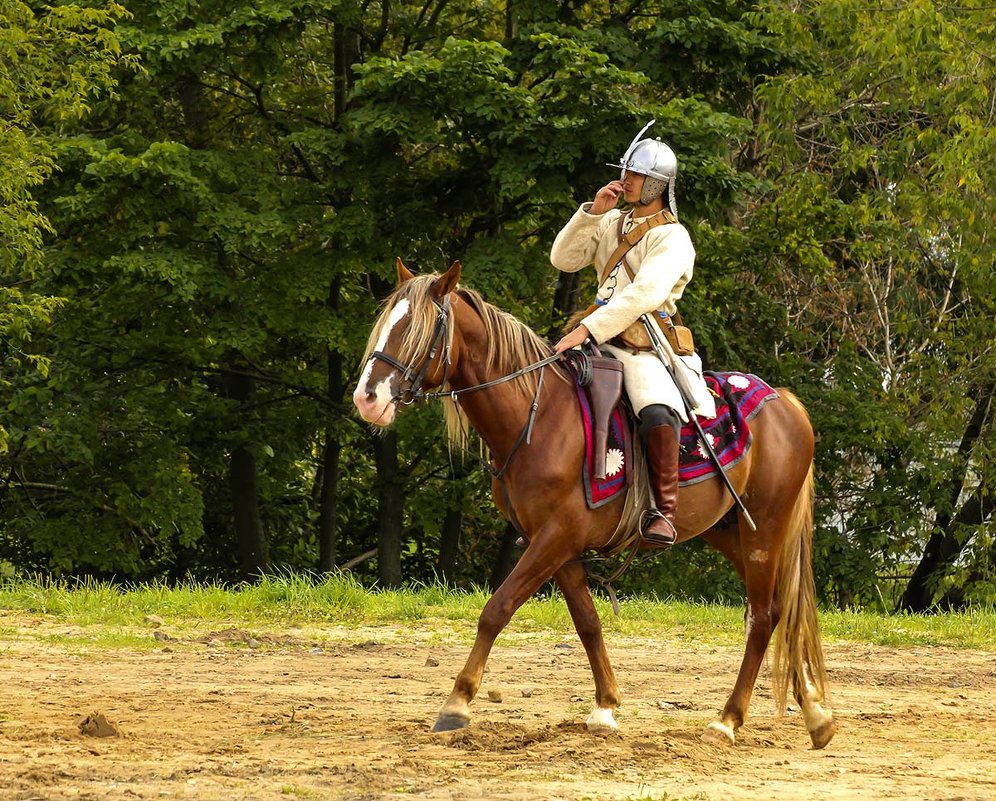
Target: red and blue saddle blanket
point(739, 397)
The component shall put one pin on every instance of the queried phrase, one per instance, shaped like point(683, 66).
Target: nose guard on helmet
point(655, 160)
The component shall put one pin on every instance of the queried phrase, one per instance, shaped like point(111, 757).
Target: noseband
point(412, 377)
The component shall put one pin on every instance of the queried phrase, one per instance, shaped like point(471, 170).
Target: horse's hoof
point(719, 733)
point(450, 723)
point(823, 734)
point(601, 721)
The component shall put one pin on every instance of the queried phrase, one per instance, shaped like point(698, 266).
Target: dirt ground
point(344, 714)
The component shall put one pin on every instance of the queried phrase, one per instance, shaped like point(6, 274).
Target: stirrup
point(659, 539)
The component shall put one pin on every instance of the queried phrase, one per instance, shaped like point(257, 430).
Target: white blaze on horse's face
point(375, 403)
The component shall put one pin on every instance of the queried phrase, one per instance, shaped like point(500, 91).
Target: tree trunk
point(942, 550)
point(565, 302)
point(346, 54)
point(956, 598)
point(946, 543)
point(329, 496)
point(449, 537)
point(329, 503)
point(195, 119)
point(254, 553)
point(389, 510)
point(254, 556)
point(506, 559)
point(449, 545)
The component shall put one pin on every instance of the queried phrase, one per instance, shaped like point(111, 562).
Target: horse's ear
point(404, 274)
point(447, 282)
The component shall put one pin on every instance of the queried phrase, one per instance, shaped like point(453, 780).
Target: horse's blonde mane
point(511, 345)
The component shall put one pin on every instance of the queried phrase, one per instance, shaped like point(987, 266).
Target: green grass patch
point(975, 628)
point(301, 600)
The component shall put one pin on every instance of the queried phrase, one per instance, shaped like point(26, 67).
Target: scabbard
point(659, 351)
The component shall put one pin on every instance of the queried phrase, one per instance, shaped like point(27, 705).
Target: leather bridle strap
point(440, 334)
point(525, 436)
point(454, 394)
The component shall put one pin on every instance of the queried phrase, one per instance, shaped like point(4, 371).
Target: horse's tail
point(798, 653)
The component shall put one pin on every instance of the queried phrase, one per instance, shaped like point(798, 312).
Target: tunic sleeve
point(575, 245)
point(665, 268)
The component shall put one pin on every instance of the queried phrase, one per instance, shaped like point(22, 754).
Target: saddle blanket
point(739, 397)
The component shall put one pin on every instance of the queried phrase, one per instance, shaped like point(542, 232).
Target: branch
point(256, 375)
point(431, 24)
point(36, 485)
point(385, 12)
point(866, 99)
point(629, 13)
point(357, 560)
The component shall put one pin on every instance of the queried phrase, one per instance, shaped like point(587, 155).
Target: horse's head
point(409, 348)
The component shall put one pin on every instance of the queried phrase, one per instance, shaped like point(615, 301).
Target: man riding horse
point(435, 339)
point(648, 278)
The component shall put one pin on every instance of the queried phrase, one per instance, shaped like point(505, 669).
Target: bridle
point(413, 377)
point(440, 335)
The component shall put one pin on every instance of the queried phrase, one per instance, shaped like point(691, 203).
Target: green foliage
point(870, 231)
point(54, 63)
point(193, 285)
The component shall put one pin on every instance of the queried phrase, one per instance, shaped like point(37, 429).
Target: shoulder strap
point(627, 242)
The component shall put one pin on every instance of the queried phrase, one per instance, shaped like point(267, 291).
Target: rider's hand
point(606, 198)
point(573, 339)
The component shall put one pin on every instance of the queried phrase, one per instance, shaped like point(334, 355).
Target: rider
point(661, 263)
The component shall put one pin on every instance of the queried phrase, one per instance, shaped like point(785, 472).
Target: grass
point(300, 600)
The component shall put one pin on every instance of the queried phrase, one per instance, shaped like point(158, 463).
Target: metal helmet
point(655, 160)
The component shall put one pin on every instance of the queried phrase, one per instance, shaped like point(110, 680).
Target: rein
point(454, 394)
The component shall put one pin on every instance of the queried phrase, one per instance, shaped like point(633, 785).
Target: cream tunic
point(662, 263)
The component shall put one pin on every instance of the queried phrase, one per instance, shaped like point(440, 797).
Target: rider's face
point(633, 186)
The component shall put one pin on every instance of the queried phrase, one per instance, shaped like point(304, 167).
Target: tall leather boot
point(662, 461)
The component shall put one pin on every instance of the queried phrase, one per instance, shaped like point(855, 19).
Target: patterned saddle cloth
point(739, 397)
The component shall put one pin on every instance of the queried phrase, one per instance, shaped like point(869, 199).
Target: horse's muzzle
point(374, 407)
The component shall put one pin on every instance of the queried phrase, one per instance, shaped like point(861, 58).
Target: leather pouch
point(635, 337)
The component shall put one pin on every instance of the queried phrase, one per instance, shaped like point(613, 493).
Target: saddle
point(602, 378)
point(609, 426)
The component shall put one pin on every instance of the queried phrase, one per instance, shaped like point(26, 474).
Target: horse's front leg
point(541, 559)
point(573, 582)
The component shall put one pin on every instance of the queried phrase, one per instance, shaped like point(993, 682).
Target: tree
point(232, 306)
point(873, 238)
point(53, 64)
point(223, 227)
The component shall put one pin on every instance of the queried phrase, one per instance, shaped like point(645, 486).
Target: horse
point(433, 333)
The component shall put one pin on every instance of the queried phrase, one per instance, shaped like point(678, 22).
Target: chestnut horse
point(432, 334)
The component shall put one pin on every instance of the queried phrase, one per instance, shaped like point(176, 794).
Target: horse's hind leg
point(543, 556)
point(760, 576)
point(573, 582)
point(819, 721)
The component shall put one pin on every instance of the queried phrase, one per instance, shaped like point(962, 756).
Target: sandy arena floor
point(344, 714)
